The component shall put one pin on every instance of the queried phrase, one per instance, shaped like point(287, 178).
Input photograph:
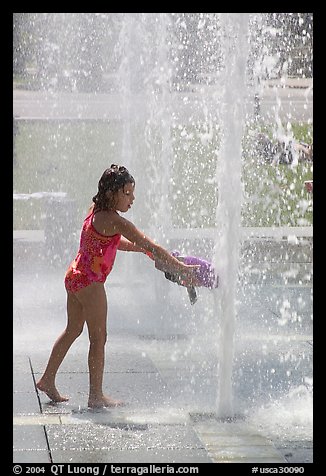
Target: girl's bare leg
point(95, 310)
point(74, 328)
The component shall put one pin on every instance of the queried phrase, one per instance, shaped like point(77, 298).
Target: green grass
point(60, 157)
point(70, 157)
point(275, 195)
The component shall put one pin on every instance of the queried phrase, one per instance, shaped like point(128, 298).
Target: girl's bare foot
point(51, 392)
point(104, 402)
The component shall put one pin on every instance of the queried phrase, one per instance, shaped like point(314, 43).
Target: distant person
point(104, 232)
point(273, 152)
point(281, 152)
point(265, 148)
point(284, 154)
point(305, 151)
point(309, 185)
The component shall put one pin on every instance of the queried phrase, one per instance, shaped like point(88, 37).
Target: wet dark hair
point(113, 179)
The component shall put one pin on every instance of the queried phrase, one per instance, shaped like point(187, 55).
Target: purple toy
point(205, 274)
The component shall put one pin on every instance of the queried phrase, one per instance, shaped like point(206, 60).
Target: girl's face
point(124, 197)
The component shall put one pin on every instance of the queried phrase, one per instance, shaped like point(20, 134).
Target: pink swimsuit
point(95, 257)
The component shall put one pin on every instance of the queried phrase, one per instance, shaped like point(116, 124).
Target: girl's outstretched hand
point(186, 274)
point(188, 277)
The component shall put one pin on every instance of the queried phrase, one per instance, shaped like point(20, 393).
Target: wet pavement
point(161, 360)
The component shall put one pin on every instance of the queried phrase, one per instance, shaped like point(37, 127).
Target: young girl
point(104, 232)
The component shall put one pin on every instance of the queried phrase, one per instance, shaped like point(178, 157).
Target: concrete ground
point(161, 359)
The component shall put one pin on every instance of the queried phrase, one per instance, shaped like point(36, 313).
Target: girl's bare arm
point(126, 245)
point(138, 239)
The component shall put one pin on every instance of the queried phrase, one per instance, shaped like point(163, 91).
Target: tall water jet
point(229, 185)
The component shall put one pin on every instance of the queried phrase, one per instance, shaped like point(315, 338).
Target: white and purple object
point(206, 274)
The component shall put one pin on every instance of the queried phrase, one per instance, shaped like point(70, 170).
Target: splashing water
point(294, 411)
point(229, 208)
point(138, 92)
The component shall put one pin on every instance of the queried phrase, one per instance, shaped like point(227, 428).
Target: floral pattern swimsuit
point(95, 257)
